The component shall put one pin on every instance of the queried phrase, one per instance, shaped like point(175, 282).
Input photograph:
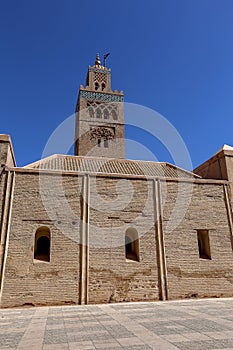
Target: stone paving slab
point(205, 324)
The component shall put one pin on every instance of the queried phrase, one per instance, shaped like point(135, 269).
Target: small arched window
point(91, 112)
point(114, 115)
point(98, 113)
point(103, 86)
point(131, 244)
point(96, 86)
point(106, 114)
point(42, 244)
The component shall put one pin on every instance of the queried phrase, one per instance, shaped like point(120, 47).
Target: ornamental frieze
point(101, 133)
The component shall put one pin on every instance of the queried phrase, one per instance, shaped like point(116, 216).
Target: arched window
point(131, 244)
point(91, 112)
point(96, 86)
point(114, 115)
point(103, 86)
point(42, 244)
point(98, 113)
point(106, 114)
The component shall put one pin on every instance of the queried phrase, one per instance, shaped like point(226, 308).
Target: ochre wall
point(188, 275)
point(29, 281)
point(111, 275)
point(116, 204)
point(6, 151)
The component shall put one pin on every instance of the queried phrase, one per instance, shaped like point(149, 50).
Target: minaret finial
point(97, 60)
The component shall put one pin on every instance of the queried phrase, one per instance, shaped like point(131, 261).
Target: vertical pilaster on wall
point(5, 224)
point(161, 256)
point(85, 240)
point(87, 237)
point(229, 210)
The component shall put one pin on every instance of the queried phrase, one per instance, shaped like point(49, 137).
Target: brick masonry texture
point(27, 281)
point(115, 205)
point(188, 275)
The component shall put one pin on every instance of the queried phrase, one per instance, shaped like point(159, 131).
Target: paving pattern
point(186, 325)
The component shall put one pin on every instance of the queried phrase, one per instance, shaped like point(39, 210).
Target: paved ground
point(187, 325)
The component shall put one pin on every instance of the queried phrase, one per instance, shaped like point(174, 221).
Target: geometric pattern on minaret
point(99, 126)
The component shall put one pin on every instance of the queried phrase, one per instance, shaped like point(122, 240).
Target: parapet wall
point(6, 151)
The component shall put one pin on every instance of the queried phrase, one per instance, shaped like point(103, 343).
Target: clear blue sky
point(174, 56)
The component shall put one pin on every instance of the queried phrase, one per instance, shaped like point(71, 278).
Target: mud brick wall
point(188, 274)
point(116, 205)
point(30, 281)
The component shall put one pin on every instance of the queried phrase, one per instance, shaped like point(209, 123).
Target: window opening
point(131, 244)
point(203, 244)
point(42, 244)
point(96, 86)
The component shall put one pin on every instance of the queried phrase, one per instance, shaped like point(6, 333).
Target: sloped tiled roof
point(95, 165)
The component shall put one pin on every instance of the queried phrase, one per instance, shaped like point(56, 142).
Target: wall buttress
point(5, 225)
point(85, 241)
point(161, 256)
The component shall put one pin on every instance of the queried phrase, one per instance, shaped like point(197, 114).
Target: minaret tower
point(99, 129)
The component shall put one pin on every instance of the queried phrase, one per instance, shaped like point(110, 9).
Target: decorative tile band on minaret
point(99, 112)
point(98, 96)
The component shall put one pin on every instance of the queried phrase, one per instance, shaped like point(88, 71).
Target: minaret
point(99, 129)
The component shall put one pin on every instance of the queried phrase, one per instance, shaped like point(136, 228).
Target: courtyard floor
point(187, 325)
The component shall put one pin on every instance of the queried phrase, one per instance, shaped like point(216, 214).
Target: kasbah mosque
point(95, 227)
